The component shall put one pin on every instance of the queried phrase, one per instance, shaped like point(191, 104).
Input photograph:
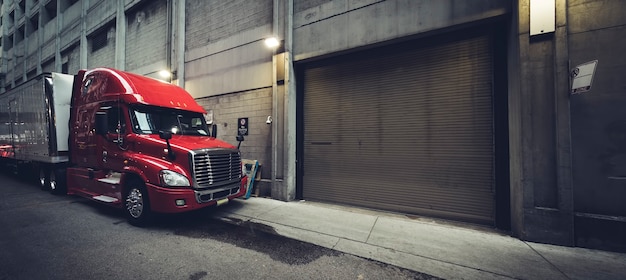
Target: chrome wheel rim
point(134, 203)
point(42, 178)
point(53, 181)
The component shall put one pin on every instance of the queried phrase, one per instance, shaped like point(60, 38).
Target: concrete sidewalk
point(434, 247)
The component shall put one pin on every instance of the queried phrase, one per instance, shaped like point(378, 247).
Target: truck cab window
point(151, 120)
point(116, 120)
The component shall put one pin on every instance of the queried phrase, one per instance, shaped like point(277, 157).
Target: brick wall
point(211, 21)
point(99, 13)
point(48, 66)
point(146, 35)
point(47, 49)
point(255, 105)
point(104, 57)
point(73, 59)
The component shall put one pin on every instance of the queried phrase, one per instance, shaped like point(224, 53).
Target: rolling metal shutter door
point(407, 130)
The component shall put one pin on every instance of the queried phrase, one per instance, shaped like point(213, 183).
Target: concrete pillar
point(83, 36)
point(540, 149)
point(563, 132)
point(283, 106)
point(179, 34)
point(120, 36)
point(58, 64)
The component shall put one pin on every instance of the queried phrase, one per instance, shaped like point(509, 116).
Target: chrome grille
point(213, 168)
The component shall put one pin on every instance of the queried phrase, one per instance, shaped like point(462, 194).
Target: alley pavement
point(443, 249)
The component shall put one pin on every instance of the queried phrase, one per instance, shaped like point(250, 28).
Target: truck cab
point(144, 145)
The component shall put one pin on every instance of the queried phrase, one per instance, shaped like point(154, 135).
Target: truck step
point(105, 198)
point(113, 179)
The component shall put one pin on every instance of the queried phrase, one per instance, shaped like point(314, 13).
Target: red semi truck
point(119, 138)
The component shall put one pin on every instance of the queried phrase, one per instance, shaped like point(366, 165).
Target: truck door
point(87, 154)
point(113, 143)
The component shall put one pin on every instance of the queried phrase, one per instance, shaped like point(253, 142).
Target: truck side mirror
point(214, 130)
point(102, 123)
point(165, 135)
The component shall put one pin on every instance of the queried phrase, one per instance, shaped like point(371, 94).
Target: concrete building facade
point(499, 113)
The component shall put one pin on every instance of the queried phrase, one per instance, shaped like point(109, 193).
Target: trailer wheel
point(137, 205)
point(43, 179)
point(57, 181)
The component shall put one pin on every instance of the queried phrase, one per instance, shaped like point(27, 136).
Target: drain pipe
point(168, 36)
point(180, 48)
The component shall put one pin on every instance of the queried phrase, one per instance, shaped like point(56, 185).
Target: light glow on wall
point(272, 42)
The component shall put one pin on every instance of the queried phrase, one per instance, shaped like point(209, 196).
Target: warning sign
point(243, 126)
point(582, 77)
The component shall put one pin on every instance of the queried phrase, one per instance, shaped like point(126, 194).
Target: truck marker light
point(180, 202)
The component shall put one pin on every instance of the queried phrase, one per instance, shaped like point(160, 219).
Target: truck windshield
point(151, 120)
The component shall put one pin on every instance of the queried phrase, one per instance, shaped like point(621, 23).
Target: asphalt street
point(63, 237)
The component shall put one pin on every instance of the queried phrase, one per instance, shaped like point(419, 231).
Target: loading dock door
point(406, 128)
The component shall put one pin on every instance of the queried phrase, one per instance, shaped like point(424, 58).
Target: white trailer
point(34, 118)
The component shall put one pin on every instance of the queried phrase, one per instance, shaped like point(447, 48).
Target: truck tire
point(137, 204)
point(44, 179)
point(57, 181)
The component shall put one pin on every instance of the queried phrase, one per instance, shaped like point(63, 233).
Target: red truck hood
point(187, 143)
point(196, 142)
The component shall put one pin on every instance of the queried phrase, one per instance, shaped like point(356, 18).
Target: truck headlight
point(173, 179)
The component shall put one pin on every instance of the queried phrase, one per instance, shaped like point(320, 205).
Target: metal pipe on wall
point(180, 54)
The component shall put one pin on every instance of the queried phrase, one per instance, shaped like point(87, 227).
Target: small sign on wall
point(242, 126)
point(582, 77)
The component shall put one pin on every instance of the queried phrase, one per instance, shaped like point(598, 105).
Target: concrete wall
point(49, 30)
point(70, 34)
point(539, 117)
point(70, 15)
point(255, 105)
point(147, 26)
point(99, 13)
point(31, 63)
point(33, 42)
point(71, 56)
point(48, 66)
point(104, 57)
point(18, 67)
point(225, 47)
point(229, 69)
point(325, 27)
point(566, 148)
point(596, 32)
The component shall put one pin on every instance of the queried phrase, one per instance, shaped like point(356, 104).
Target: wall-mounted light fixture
point(165, 74)
point(272, 42)
point(542, 17)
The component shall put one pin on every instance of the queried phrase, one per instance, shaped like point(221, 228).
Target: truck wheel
point(138, 205)
point(43, 179)
point(57, 181)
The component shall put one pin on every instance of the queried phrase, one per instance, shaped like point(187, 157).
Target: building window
point(34, 24)
point(49, 12)
point(99, 40)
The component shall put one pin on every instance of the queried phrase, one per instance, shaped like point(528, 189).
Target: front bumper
point(163, 200)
